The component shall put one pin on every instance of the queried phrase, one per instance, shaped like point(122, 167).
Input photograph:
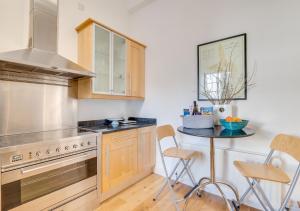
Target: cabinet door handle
point(107, 169)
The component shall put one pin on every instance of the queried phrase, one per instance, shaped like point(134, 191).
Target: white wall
point(173, 28)
point(14, 15)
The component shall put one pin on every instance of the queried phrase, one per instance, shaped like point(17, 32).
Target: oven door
point(50, 183)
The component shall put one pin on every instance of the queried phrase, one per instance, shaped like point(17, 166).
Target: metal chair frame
point(256, 183)
point(167, 182)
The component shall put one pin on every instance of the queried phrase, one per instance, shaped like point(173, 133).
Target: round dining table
point(212, 133)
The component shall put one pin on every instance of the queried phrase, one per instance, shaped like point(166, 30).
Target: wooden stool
point(184, 157)
point(282, 143)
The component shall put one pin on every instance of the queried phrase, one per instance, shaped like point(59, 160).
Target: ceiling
point(134, 5)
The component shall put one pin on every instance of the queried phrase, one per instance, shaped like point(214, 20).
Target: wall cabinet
point(127, 157)
point(135, 63)
point(117, 60)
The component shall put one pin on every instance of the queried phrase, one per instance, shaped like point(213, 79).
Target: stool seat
point(262, 171)
point(179, 153)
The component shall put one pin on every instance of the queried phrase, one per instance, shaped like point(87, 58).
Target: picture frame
point(218, 59)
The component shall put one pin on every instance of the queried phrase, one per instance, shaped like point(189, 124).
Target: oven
point(58, 183)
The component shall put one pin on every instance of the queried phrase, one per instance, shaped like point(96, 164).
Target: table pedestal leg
point(212, 180)
point(212, 161)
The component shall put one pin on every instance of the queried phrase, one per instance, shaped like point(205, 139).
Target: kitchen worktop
point(104, 127)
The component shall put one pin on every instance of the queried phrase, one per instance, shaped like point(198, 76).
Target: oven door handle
point(22, 173)
point(56, 164)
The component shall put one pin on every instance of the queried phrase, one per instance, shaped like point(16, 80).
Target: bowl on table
point(234, 125)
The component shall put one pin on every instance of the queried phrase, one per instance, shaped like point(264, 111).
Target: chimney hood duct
point(40, 62)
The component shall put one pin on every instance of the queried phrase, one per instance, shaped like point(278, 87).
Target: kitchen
point(157, 98)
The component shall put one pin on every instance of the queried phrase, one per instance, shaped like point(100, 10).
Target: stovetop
point(44, 136)
point(22, 149)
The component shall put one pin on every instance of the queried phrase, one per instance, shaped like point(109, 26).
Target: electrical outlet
point(80, 6)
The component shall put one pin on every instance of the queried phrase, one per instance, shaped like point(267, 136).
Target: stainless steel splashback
point(28, 107)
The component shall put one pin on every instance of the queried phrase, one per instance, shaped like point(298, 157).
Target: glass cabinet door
point(119, 64)
point(101, 83)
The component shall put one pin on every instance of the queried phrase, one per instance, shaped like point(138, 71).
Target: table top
point(217, 132)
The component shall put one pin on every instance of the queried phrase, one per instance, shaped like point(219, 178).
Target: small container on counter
point(198, 121)
point(186, 112)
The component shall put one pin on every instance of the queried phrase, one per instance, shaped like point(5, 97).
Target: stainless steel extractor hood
point(40, 62)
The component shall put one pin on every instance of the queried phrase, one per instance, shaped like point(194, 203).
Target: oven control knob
point(58, 149)
point(66, 147)
point(88, 143)
point(75, 146)
point(48, 151)
point(82, 144)
point(38, 153)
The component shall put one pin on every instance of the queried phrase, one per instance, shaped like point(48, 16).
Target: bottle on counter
point(195, 109)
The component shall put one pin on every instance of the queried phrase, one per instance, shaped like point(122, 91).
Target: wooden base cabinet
point(127, 157)
point(119, 158)
point(146, 148)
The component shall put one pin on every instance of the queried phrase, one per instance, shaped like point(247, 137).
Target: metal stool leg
point(188, 171)
point(247, 192)
point(166, 179)
point(264, 197)
point(256, 194)
point(291, 189)
point(178, 177)
point(174, 198)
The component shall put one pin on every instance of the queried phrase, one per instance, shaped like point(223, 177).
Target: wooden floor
point(139, 198)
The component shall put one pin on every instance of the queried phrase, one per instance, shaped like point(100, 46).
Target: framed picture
point(222, 69)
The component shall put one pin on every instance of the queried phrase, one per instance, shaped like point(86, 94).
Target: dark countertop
point(104, 126)
point(217, 132)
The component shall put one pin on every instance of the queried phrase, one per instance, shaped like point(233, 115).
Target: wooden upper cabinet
point(135, 69)
point(117, 60)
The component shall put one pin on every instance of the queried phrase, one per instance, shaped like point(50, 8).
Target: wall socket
point(80, 6)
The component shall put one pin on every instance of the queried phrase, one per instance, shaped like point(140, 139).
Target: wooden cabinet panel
point(146, 147)
point(119, 158)
point(127, 157)
point(135, 69)
point(118, 61)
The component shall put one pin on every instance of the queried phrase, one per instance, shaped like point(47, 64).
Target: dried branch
point(227, 89)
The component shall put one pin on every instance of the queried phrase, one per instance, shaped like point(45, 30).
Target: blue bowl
point(234, 125)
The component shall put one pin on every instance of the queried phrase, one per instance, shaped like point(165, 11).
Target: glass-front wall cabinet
point(109, 62)
point(119, 64)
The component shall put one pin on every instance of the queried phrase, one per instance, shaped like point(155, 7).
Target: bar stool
point(183, 156)
point(257, 172)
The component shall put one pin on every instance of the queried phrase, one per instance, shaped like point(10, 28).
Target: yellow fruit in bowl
point(233, 119)
point(236, 119)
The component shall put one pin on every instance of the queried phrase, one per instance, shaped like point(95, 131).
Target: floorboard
point(139, 197)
